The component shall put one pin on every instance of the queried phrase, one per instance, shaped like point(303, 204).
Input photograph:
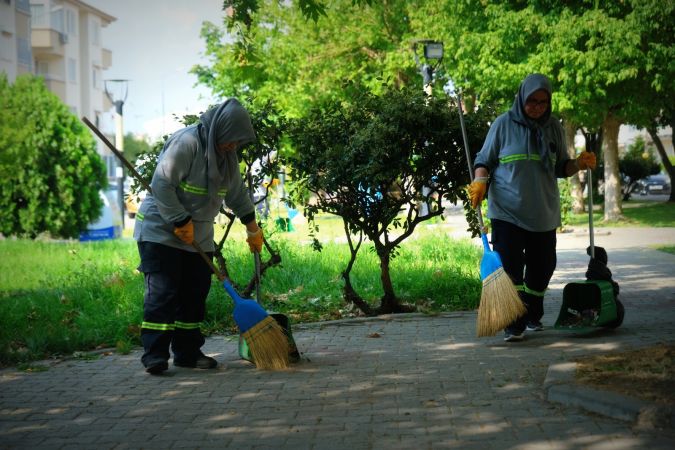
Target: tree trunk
point(613, 194)
point(389, 303)
point(576, 190)
point(350, 295)
point(653, 132)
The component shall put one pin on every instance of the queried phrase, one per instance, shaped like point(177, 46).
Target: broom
point(500, 304)
point(266, 339)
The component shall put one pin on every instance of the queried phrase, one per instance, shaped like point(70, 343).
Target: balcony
point(58, 87)
point(106, 58)
point(47, 42)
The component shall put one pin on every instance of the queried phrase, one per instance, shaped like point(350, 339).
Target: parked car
point(654, 185)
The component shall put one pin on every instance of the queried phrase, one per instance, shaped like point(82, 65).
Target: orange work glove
point(255, 240)
point(477, 191)
point(586, 160)
point(186, 233)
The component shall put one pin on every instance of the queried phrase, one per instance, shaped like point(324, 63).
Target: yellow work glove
point(477, 191)
point(255, 240)
point(586, 160)
point(186, 233)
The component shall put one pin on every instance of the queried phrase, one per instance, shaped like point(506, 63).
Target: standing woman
point(523, 156)
point(197, 170)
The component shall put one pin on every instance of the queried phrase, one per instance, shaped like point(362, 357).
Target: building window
point(72, 70)
point(23, 6)
point(71, 23)
point(6, 47)
point(38, 18)
point(42, 68)
point(111, 165)
point(24, 53)
point(96, 78)
point(95, 33)
point(57, 20)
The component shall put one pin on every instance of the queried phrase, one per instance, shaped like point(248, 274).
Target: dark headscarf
point(529, 86)
point(227, 122)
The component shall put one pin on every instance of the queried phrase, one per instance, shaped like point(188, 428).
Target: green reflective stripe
point(519, 287)
point(187, 326)
point(222, 192)
point(519, 157)
point(158, 326)
point(194, 189)
point(140, 217)
point(527, 290)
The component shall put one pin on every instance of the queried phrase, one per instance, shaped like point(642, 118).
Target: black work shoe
point(202, 362)
point(511, 335)
point(157, 368)
point(534, 326)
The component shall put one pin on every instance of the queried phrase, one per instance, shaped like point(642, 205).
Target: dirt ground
point(647, 374)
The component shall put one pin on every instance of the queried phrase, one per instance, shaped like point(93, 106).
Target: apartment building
point(60, 40)
point(68, 53)
point(15, 38)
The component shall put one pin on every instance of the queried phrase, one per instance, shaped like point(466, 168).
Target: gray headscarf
point(227, 122)
point(528, 86)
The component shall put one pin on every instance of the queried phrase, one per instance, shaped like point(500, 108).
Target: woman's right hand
point(477, 190)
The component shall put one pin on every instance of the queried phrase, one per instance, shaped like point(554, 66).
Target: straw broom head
point(266, 339)
point(268, 345)
point(500, 304)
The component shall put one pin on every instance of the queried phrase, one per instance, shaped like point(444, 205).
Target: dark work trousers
point(529, 258)
point(177, 283)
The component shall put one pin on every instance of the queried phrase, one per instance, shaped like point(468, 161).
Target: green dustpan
point(589, 305)
point(284, 322)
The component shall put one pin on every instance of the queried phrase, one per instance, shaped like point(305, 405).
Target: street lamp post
point(433, 54)
point(122, 93)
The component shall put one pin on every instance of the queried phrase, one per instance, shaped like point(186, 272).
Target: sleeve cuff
point(180, 223)
point(248, 218)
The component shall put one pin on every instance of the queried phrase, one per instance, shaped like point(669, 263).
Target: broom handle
point(468, 155)
point(137, 176)
point(117, 153)
point(589, 185)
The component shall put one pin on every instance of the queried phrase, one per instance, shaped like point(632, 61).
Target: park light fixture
point(433, 50)
point(433, 54)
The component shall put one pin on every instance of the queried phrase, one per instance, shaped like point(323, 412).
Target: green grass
point(57, 298)
point(60, 298)
point(636, 213)
point(667, 248)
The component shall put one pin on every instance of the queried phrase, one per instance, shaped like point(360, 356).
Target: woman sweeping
point(523, 155)
point(197, 169)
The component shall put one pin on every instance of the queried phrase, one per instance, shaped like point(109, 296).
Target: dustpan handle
point(589, 185)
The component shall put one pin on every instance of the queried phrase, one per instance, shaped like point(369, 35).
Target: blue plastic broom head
point(247, 313)
point(491, 262)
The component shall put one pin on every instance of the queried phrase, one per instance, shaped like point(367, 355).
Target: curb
point(560, 387)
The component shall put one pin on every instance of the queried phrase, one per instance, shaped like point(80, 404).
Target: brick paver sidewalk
point(404, 382)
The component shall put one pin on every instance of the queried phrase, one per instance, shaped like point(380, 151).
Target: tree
point(636, 164)
point(52, 173)
point(275, 53)
point(609, 61)
point(367, 162)
point(133, 147)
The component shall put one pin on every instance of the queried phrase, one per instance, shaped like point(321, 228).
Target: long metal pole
point(589, 186)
